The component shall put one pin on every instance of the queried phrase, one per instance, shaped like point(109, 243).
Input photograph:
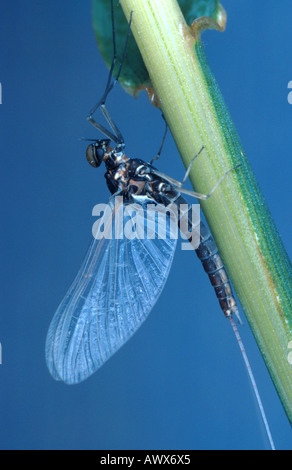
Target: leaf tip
point(205, 22)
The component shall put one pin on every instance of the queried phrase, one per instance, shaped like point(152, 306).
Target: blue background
point(180, 382)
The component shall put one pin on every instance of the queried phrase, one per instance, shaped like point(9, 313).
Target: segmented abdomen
point(212, 263)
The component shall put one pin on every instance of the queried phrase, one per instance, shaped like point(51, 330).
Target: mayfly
point(121, 278)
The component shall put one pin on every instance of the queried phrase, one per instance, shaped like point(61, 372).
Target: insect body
point(121, 278)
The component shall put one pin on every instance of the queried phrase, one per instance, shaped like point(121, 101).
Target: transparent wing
point(115, 289)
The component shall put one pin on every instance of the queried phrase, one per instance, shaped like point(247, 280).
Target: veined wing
point(115, 289)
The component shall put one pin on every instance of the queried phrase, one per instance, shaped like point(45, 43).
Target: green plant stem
point(236, 213)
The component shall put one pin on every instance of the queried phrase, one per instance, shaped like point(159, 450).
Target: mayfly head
point(96, 151)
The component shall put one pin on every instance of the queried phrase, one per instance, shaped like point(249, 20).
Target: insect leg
point(161, 145)
point(117, 136)
point(190, 165)
point(178, 184)
point(206, 196)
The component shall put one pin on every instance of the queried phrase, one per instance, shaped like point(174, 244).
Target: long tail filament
point(253, 382)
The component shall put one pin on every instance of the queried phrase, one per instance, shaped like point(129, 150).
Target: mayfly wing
point(115, 289)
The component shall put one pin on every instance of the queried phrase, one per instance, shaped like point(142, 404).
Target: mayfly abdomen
point(211, 260)
point(212, 263)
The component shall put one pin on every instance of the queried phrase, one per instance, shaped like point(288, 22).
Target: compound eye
point(94, 155)
point(99, 154)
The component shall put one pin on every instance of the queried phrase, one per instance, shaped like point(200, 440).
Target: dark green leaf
point(134, 74)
